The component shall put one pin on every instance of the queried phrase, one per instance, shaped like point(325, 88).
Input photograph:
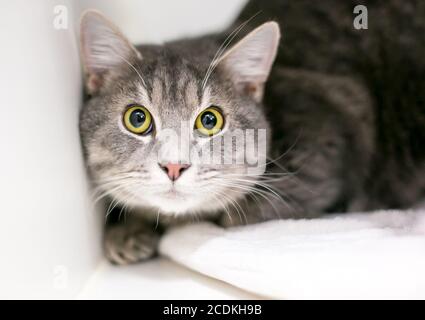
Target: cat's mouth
point(173, 194)
point(178, 200)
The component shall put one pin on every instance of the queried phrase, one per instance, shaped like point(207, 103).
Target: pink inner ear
point(94, 82)
point(250, 89)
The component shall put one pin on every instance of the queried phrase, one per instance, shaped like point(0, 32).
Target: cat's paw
point(125, 245)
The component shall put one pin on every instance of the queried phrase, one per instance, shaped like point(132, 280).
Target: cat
point(342, 112)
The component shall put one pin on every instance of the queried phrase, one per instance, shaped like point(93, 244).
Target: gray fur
point(325, 147)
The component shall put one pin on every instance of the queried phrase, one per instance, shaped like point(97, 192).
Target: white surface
point(355, 256)
point(49, 235)
point(157, 279)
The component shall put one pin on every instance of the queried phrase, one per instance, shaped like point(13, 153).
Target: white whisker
point(216, 59)
point(126, 61)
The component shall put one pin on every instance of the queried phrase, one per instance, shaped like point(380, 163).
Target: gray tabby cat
point(343, 111)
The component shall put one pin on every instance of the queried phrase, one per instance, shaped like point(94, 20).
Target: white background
point(50, 235)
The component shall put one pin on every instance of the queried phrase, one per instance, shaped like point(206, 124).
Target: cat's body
point(344, 111)
point(374, 77)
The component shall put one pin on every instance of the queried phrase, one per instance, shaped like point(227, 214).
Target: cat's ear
point(103, 47)
point(249, 62)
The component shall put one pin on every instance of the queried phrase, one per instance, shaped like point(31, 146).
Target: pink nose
point(174, 170)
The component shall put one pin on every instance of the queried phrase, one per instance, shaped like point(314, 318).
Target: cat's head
point(178, 128)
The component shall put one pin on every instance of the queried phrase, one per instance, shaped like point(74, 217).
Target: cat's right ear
point(104, 48)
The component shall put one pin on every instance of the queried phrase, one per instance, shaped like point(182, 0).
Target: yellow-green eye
point(209, 122)
point(138, 119)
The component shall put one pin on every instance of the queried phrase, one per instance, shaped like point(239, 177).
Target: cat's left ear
point(104, 49)
point(249, 62)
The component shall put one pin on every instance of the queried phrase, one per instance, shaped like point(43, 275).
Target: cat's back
point(385, 61)
point(322, 36)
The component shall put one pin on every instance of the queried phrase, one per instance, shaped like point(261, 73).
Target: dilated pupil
point(209, 120)
point(137, 118)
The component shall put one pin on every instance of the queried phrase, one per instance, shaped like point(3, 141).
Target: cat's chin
point(174, 203)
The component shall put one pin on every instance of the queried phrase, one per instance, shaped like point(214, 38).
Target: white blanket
point(353, 256)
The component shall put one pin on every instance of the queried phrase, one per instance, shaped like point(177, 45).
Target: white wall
point(158, 20)
point(49, 232)
point(49, 239)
